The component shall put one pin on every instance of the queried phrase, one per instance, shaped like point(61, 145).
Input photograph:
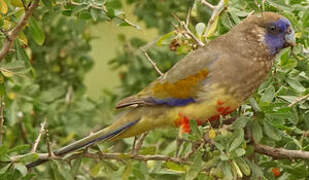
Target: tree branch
point(299, 100)
point(139, 143)
point(187, 30)
point(207, 4)
point(281, 153)
point(37, 141)
point(11, 35)
point(154, 65)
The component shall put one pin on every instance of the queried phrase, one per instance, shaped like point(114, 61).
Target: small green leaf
point(36, 31)
point(237, 140)
point(166, 36)
point(269, 94)
point(5, 168)
point(256, 130)
point(244, 167)
point(127, 171)
point(295, 84)
point(20, 148)
point(175, 167)
point(29, 157)
point(241, 122)
point(240, 152)
point(76, 166)
point(21, 168)
point(194, 128)
point(195, 168)
point(271, 132)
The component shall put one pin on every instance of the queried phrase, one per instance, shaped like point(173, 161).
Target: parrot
point(210, 82)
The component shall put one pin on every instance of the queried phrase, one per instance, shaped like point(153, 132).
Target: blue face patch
point(275, 35)
point(173, 101)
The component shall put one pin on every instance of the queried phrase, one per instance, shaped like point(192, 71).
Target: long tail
point(104, 134)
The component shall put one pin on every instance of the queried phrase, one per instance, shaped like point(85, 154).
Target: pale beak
point(289, 37)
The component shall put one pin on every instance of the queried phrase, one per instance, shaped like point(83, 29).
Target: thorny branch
point(37, 141)
point(12, 34)
point(139, 143)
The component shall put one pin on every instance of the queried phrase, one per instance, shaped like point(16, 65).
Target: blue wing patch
point(173, 101)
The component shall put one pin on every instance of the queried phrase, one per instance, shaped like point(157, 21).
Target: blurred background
point(105, 48)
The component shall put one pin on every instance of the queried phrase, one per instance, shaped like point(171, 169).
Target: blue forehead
point(282, 24)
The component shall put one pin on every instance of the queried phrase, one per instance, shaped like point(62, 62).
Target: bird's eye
point(272, 28)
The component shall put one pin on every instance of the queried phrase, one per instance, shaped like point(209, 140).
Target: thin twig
point(37, 141)
point(154, 65)
point(188, 16)
point(49, 149)
point(216, 12)
point(68, 95)
point(207, 4)
point(94, 6)
point(188, 31)
point(8, 42)
point(1, 120)
point(299, 100)
point(281, 153)
point(139, 143)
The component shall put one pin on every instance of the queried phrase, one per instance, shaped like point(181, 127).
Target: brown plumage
point(209, 82)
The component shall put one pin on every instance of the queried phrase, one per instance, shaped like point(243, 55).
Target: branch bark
point(11, 35)
point(37, 141)
point(281, 153)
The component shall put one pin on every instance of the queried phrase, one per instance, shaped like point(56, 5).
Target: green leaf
point(195, 168)
point(271, 132)
point(76, 166)
point(20, 148)
point(241, 122)
point(240, 152)
point(269, 94)
point(194, 128)
point(94, 171)
point(52, 94)
point(256, 130)
point(21, 168)
point(47, 3)
point(295, 84)
point(239, 137)
point(244, 167)
point(175, 167)
point(165, 37)
point(127, 171)
point(29, 157)
point(254, 104)
point(36, 31)
point(5, 168)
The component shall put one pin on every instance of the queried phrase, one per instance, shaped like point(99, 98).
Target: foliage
point(42, 78)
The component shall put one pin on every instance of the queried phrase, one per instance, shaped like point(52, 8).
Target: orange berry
point(276, 171)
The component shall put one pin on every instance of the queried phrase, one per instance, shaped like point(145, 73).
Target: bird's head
point(274, 30)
